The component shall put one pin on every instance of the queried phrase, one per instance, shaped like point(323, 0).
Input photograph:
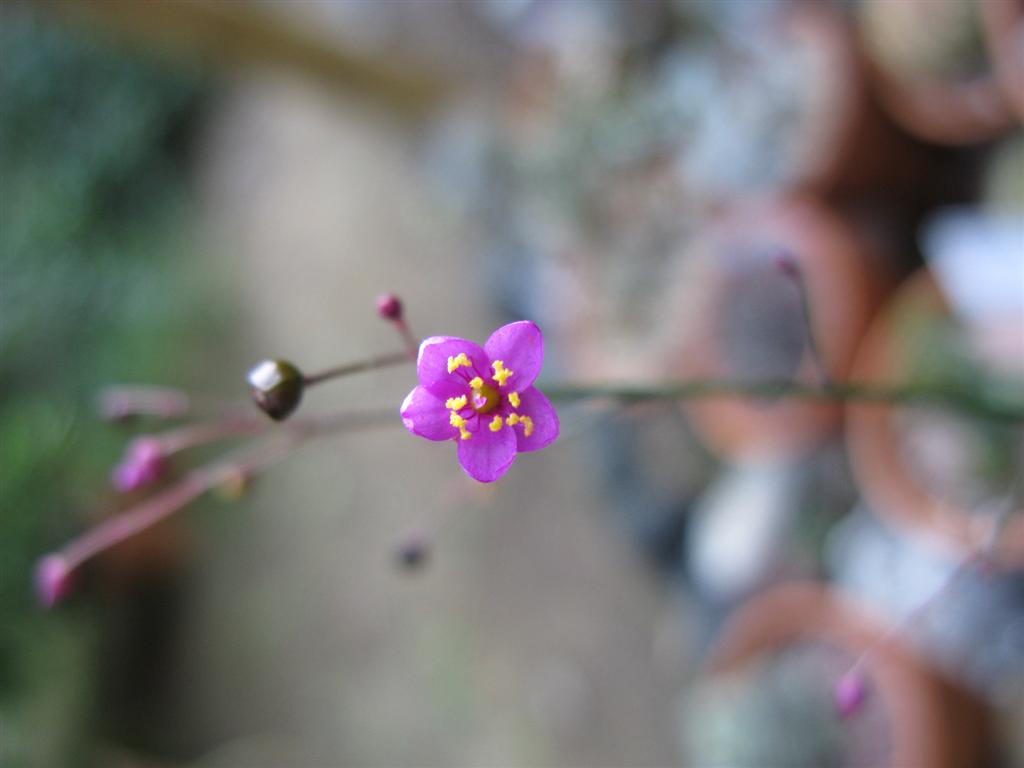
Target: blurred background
point(189, 186)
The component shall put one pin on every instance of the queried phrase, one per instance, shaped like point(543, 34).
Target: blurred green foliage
point(94, 207)
point(939, 354)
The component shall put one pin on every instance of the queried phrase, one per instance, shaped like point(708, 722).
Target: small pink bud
point(146, 450)
point(144, 463)
point(787, 264)
point(53, 580)
point(125, 477)
point(850, 693)
point(389, 306)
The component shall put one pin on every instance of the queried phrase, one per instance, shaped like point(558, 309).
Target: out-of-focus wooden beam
point(237, 33)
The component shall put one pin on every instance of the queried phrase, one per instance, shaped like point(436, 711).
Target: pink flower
point(483, 399)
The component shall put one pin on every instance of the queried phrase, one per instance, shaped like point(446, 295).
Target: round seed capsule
point(276, 387)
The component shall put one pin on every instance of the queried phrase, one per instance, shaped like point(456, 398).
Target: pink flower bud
point(389, 306)
point(850, 693)
point(143, 465)
point(787, 264)
point(52, 580)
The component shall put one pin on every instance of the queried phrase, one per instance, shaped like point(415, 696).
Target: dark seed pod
point(276, 387)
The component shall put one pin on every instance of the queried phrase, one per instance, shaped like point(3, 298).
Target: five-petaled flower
point(483, 398)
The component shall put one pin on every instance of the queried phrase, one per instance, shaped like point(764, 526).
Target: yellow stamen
point(455, 403)
point(496, 424)
point(501, 373)
point(526, 421)
point(464, 433)
point(456, 421)
point(513, 398)
point(476, 383)
point(458, 361)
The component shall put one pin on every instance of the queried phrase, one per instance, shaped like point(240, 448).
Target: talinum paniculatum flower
point(483, 398)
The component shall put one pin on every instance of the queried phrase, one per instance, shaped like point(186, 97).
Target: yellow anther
point(496, 424)
point(458, 361)
point(456, 421)
point(526, 421)
point(501, 373)
point(513, 398)
point(455, 403)
point(464, 434)
point(476, 383)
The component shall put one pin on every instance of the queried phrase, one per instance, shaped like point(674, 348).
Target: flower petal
point(432, 365)
point(488, 455)
point(534, 404)
point(424, 414)
point(520, 346)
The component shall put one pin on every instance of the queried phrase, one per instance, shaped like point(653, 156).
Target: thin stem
point(193, 435)
point(979, 559)
point(976, 403)
point(162, 505)
point(917, 614)
point(391, 309)
point(248, 462)
point(383, 361)
point(791, 268)
point(124, 401)
point(121, 402)
point(412, 344)
point(1002, 516)
point(345, 421)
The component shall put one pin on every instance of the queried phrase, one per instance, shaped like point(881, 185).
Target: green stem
point(972, 402)
point(383, 361)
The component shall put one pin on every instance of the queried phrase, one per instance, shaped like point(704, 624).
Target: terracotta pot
point(1003, 21)
point(831, 131)
point(881, 467)
point(864, 150)
point(797, 110)
point(943, 110)
point(842, 293)
point(931, 722)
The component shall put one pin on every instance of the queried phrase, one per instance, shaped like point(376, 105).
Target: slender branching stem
point(247, 463)
point(978, 559)
point(792, 269)
point(126, 401)
point(183, 438)
point(412, 344)
point(370, 364)
point(973, 402)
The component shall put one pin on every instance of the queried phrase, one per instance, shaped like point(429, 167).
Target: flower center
point(484, 398)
